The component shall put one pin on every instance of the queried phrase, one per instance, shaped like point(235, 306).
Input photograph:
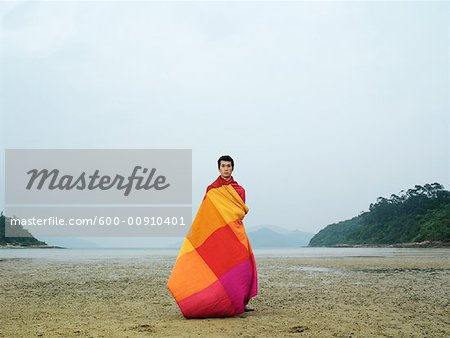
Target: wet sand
point(405, 296)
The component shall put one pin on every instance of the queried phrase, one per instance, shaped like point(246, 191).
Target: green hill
point(419, 214)
point(26, 238)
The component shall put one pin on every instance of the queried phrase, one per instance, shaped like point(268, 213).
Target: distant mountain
point(272, 236)
point(272, 227)
point(420, 214)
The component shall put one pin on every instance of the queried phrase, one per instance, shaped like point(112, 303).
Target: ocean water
point(71, 255)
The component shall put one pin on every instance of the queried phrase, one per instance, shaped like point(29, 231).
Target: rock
point(298, 329)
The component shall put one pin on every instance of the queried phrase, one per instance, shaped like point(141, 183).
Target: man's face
point(225, 169)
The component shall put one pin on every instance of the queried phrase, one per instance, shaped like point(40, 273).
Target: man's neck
point(226, 179)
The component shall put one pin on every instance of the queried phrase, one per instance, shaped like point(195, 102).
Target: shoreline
point(414, 245)
point(11, 246)
point(424, 244)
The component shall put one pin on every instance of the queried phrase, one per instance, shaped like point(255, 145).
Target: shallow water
point(76, 255)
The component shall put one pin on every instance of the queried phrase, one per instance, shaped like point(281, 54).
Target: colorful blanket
point(215, 272)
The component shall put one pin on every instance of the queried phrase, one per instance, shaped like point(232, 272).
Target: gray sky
point(324, 106)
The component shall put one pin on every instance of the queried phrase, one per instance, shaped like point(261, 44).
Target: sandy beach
point(381, 296)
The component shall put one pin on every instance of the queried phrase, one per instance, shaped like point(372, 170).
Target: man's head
point(226, 166)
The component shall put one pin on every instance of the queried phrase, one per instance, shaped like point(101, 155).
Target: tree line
point(418, 214)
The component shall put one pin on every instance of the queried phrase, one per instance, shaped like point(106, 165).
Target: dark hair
point(225, 158)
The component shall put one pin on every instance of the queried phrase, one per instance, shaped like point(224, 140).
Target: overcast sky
point(324, 106)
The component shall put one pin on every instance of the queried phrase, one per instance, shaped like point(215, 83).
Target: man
point(215, 274)
point(226, 167)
